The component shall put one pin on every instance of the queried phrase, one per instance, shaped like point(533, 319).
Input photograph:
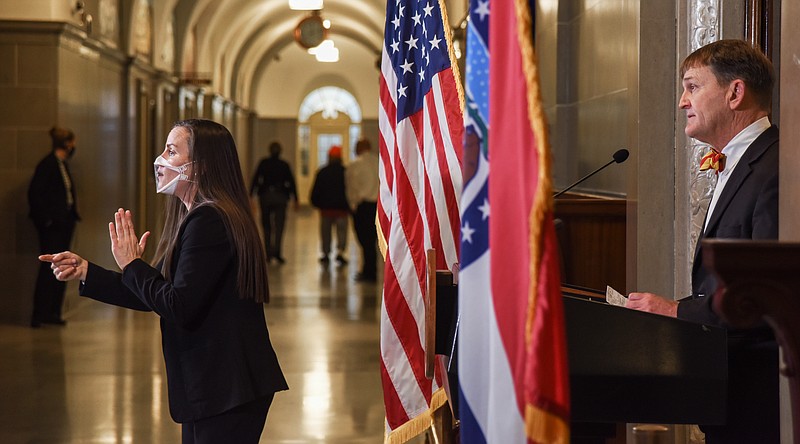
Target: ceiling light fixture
point(305, 5)
point(325, 52)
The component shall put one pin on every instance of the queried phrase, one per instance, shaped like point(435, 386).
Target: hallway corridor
point(100, 379)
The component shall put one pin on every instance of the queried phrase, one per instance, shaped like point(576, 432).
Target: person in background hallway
point(208, 285)
point(274, 184)
point(727, 93)
point(361, 183)
point(53, 208)
point(328, 195)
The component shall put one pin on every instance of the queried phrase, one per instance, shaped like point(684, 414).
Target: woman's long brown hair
point(218, 178)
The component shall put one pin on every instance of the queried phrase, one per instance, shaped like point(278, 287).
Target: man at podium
point(727, 93)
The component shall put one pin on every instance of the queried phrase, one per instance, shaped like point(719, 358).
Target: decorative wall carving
point(704, 22)
point(168, 48)
point(109, 21)
point(703, 29)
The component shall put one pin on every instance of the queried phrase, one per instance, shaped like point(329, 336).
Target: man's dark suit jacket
point(47, 195)
point(746, 209)
point(216, 346)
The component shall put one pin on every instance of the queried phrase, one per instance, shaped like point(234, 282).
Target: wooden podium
point(761, 280)
point(624, 365)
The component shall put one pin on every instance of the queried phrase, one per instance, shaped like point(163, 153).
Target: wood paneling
point(591, 235)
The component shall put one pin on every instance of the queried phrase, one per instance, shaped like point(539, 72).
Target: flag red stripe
point(386, 164)
point(405, 326)
point(429, 204)
point(431, 215)
point(395, 413)
point(409, 211)
point(411, 223)
point(384, 213)
point(455, 121)
point(451, 202)
point(390, 109)
point(455, 124)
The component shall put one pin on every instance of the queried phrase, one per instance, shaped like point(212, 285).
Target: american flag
point(420, 173)
point(513, 381)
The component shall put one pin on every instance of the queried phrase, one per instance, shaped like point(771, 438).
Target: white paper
point(614, 297)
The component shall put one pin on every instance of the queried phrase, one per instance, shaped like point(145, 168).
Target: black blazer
point(216, 346)
point(747, 209)
point(47, 195)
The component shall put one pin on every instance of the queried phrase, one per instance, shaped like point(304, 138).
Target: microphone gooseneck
point(618, 157)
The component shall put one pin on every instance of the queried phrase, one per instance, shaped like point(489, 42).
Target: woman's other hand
point(125, 245)
point(66, 265)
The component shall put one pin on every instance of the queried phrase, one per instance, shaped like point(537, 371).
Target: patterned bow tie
point(714, 160)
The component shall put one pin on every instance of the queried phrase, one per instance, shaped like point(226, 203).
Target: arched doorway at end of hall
point(328, 116)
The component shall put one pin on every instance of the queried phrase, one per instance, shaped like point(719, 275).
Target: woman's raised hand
point(125, 245)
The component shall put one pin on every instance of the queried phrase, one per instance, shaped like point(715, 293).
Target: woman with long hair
point(207, 282)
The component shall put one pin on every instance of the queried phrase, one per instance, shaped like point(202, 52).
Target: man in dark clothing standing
point(328, 195)
point(53, 209)
point(274, 184)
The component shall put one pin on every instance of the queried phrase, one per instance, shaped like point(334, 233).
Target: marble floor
point(100, 379)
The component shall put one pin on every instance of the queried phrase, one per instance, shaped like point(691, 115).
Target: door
point(314, 143)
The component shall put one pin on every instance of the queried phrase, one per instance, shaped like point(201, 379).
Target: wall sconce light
point(305, 5)
point(460, 36)
point(79, 9)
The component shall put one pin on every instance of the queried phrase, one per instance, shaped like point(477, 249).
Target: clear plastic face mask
point(169, 187)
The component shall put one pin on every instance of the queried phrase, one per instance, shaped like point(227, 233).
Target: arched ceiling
point(236, 42)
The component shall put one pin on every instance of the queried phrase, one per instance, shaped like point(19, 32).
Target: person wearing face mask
point(170, 186)
point(53, 209)
point(207, 282)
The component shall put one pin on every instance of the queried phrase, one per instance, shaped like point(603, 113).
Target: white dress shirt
point(361, 179)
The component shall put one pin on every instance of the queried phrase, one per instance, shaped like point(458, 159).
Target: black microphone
point(618, 157)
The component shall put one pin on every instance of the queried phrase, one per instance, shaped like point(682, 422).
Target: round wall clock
point(310, 32)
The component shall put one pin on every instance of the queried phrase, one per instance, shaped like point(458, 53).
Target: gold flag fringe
point(544, 427)
point(420, 423)
point(543, 200)
point(382, 244)
point(448, 35)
